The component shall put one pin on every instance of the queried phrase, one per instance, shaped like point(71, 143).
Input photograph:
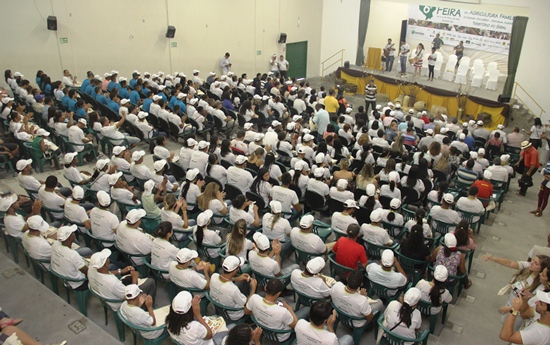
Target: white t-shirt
point(311, 286)
point(375, 234)
point(172, 217)
point(163, 253)
point(287, 197)
point(535, 334)
point(280, 230)
point(185, 157)
point(353, 304)
point(14, 224)
point(75, 212)
point(193, 334)
point(133, 241)
point(107, 286)
point(307, 241)
point(52, 201)
point(341, 195)
point(446, 216)
point(470, 205)
point(390, 279)
point(270, 315)
point(67, 262)
point(219, 173)
point(306, 334)
point(385, 190)
point(425, 287)
point(186, 277)
point(392, 317)
point(141, 318)
point(227, 294)
point(123, 195)
point(398, 220)
point(263, 264)
point(199, 160)
point(340, 222)
point(28, 182)
point(211, 238)
point(240, 178)
point(37, 247)
point(73, 174)
point(141, 171)
point(101, 183)
point(235, 214)
point(318, 187)
point(104, 224)
point(75, 136)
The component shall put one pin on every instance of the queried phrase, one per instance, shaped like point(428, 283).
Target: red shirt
point(485, 189)
point(349, 253)
point(530, 157)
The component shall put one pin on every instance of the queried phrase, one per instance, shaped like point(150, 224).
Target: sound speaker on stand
point(52, 23)
point(403, 35)
point(171, 32)
point(503, 98)
point(282, 38)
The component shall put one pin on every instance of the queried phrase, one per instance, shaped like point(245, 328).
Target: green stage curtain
point(516, 41)
point(364, 13)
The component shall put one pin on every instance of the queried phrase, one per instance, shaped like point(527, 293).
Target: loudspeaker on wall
point(503, 98)
point(282, 38)
point(171, 32)
point(52, 23)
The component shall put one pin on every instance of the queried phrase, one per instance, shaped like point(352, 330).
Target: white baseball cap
point(182, 302)
point(441, 273)
point(315, 265)
point(6, 100)
point(462, 136)
point(5, 203)
point(275, 206)
point(320, 158)
point(387, 258)
point(258, 136)
point(18, 74)
point(376, 215)
point(430, 131)
point(306, 221)
point(83, 121)
point(191, 142)
point(135, 215)
point(156, 97)
point(148, 186)
point(247, 125)
point(101, 163)
point(69, 157)
point(371, 189)
point(395, 203)
point(350, 203)
point(203, 144)
point(185, 255)
point(142, 114)
point(42, 133)
point(231, 263)
point(192, 174)
point(159, 165)
point(37, 223)
point(103, 198)
point(450, 240)
point(78, 193)
point(481, 151)
point(261, 240)
point(118, 150)
point(204, 218)
point(412, 296)
point(319, 172)
point(275, 123)
point(100, 258)
point(308, 137)
point(113, 178)
point(124, 101)
point(136, 156)
point(22, 164)
point(301, 150)
point(504, 158)
point(448, 198)
point(501, 126)
point(473, 155)
point(480, 123)
point(543, 296)
point(487, 174)
point(132, 291)
point(342, 184)
point(443, 130)
point(240, 159)
point(193, 101)
point(64, 232)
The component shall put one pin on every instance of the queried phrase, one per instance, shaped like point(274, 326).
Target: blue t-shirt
point(470, 141)
point(80, 113)
point(113, 106)
point(163, 95)
point(102, 99)
point(145, 91)
point(90, 91)
point(38, 81)
point(111, 85)
point(134, 97)
point(133, 83)
point(47, 88)
point(147, 104)
point(72, 104)
point(85, 84)
point(183, 107)
point(173, 101)
point(123, 93)
point(65, 101)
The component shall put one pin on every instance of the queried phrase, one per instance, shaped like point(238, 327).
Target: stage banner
point(478, 30)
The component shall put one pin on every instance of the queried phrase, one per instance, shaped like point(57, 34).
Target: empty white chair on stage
point(490, 67)
point(449, 72)
point(425, 65)
point(462, 73)
point(438, 66)
point(464, 61)
point(477, 62)
point(493, 80)
point(477, 75)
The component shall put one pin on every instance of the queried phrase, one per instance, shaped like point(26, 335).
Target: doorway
point(296, 55)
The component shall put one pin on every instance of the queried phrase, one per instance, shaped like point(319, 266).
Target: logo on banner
point(428, 11)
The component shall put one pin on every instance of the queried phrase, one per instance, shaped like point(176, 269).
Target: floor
point(472, 318)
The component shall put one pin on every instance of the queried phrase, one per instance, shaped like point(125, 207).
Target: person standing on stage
point(418, 59)
point(389, 53)
point(370, 95)
point(437, 42)
point(459, 51)
point(404, 50)
point(431, 64)
point(225, 64)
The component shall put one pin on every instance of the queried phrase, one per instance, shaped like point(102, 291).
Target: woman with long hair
point(329, 131)
point(464, 236)
point(370, 200)
point(443, 164)
point(237, 211)
point(404, 166)
point(365, 155)
point(437, 195)
point(261, 185)
point(212, 199)
point(343, 173)
point(339, 149)
point(100, 177)
point(536, 133)
point(397, 148)
point(392, 216)
point(383, 159)
point(402, 318)
point(391, 189)
point(420, 220)
point(434, 291)
point(366, 177)
point(191, 188)
point(412, 180)
point(163, 252)
point(449, 256)
point(175, 212)
point(215, 170)
point(225, 151)
point(275, 225)
point(434, 153)
point(185, 323)
point(384, 174)
point(424, 172)
point(203, 235)
point(255, 159)
point(300, 176)
point(237, 243)
point(414, 246)
point(274, 170)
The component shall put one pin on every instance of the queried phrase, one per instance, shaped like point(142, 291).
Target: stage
point(438, 92)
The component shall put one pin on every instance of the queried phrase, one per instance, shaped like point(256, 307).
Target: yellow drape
point(374, 58)
point(451, 103)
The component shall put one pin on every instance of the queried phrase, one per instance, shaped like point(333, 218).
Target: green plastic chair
point(305, 300)
point(150, 224)
point(39, 269)
point(425, 307)
point(469, 216)
point(347, 320)
point(125, 208)
point(302, 257)
point(100, 243)
point(86, 150)
point(374, 251)
point(407, 213)
point(383, 292)
point(33, 194)
point(48, 212)
point(158, 275)
point(469, 257)
point(6, 164)
point(14, 245)
point(108, 143)
point(203, 252)
point(136, 331)
point(263, 279)
point(394, 339)
point(87, 240)
point(222, 310)
point(184, 243)
point(415, 269)
point(273, 334)
point(339, 270)
point(178, 288)
point(322, 229)
point(452, 281)
point(440, 227)
point(106, 307)
point(81, 296)
point(38, 158)
point(393, 229)
point(142, 269)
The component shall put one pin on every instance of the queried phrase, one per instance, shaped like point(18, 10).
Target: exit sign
point(174, 44)
point(63, 40)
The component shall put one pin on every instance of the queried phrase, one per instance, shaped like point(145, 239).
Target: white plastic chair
point(462, 73)
point(464, 61)
point(425, 65)
point(493, 80)
point(490, 67)
point(477, 62)
point(449, 72)
point(437, 68)
point(477, 75)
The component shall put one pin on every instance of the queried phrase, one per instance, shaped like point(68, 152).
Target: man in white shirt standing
point(225, 64)
point(404, 50)
point(284, 65)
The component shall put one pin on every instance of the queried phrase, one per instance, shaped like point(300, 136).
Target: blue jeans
point(403, 62)
point(389, 63)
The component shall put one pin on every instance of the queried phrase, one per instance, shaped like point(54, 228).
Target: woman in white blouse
point(212, 199)
point(205, 236)
point(163, 252)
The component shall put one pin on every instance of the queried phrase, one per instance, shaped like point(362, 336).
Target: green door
point(296, 55)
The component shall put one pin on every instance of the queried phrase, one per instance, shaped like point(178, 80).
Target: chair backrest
point(177, 171)
point(374, 251)
point(415, 269)
point(407, 213)
point(136, 328)
point(221, 309)
point(269, 333)
point(314, 200)
point(257, 199)
point(384, 292)
point(493, 75)
point(394, 339)
point(306, 300)
point(106, 301)
point(346, 319)
point(392, 229)
point(440, 227)
point(231, 191)
point(157, 271)
point(335, 206)
point(337, 269)
point(465, 61)
point(203, 248)
point(409, 195)
point(479, 71)
point(491, 66)
point(463, 68)
point(302, 257)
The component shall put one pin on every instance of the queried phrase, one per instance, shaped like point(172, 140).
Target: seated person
point(310, 281)
point(104, 223)
point(444, 213)
point(340, 221)
point(268, 263)
point(303, 239)
point(383, 273)
point(349, 253)
point(340, 192)
point(321, 315)
point(184, 275)
point(434, 291)
point(66, 261)
point(130, 237)
point(132, 310)
point(373, 232)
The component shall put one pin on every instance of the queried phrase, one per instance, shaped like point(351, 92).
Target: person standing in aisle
point(284, 65)
point(225, 64)
point(370, 95)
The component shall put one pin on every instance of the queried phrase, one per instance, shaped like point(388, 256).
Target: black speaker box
point(282, 38)
point(403, 36)
point(171, 32)
point(346, 64)
point(503, 98)
point(52, 23)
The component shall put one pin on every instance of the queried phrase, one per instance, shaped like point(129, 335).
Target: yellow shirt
point(331, 104)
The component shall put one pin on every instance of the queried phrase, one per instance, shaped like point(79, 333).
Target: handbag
point(413, 60)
